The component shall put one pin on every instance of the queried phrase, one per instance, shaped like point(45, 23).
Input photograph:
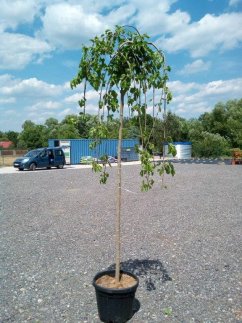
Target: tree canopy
point(123, 66)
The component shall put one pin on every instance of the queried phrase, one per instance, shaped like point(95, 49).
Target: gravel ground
point(184, 243)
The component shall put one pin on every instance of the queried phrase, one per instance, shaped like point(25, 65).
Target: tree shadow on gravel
point(149, 270)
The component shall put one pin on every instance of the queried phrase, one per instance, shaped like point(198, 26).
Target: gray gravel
point(184, 243)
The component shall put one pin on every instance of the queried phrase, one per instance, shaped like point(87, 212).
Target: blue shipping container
point(81, 147)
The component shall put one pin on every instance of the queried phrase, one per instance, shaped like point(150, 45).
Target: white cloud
point(71, 23)
point(74, 98)
point(119, 16)
point(89, 6)
point(224, 87)
point(18, 50)
point(195, 67)
point(91, 108)
point(180, 87)
point(44, 106)
point(16, 12)
point(65, 112)
point(156, 22)
point(43, 110)
point(91, 95)
point(161, 6)
point(37, 101)
point(30, 88)
point(67, 26)
point(5, 78)
point(67, 86)
point(192, 99)
point(222, 32)
point(40, 118)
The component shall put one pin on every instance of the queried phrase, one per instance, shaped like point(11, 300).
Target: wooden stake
point(119, 191)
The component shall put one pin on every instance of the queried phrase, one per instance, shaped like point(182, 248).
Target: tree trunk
point(119, 190)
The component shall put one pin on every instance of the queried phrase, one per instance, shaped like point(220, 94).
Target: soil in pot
point(108, 281)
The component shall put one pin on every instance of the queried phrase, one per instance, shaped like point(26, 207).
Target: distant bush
point(210, 145)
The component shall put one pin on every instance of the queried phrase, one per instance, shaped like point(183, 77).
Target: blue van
point(41, 158)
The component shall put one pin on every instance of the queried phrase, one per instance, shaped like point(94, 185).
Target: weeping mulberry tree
point(128, 72)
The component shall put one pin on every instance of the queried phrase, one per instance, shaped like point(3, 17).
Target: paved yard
point(184, 243)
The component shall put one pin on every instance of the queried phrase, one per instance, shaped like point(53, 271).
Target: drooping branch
point(123, 63)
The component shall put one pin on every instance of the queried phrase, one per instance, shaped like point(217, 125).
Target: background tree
point(32, 136)
point(12, 136)
point(226, 120)
point(86, 122)
point(216, 121)
point(176, 127)
point(51, 128)
point(210, 145)
point(68, 128)
point(67, 131)
point(234, 123)
point(3, 136)
point(131, 128)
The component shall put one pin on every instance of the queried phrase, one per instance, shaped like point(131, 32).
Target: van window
point(43, 153)
point(32, 153)
point(59, 153)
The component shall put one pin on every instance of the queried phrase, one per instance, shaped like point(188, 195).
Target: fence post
point(2, 155)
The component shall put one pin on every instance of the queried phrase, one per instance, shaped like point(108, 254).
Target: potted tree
point(125, 69)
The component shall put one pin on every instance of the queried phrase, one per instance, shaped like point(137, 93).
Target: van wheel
point(60, 166)
point(32, 166)
point(20, 169)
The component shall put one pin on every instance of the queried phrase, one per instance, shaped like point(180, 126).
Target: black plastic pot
point(115, 305)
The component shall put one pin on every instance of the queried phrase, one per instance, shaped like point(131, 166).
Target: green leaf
point(172, 149)
point(104, 177)
point(82, 102)
point(167, 311)
point(96, 167)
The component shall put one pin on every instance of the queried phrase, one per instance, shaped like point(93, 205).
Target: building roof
point(5, 144)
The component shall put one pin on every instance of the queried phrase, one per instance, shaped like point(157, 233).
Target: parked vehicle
point(41, 158)
point(112, 159)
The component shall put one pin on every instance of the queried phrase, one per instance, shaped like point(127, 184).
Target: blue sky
point(40, 48)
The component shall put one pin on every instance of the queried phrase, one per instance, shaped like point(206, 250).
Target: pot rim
point(115, 290)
